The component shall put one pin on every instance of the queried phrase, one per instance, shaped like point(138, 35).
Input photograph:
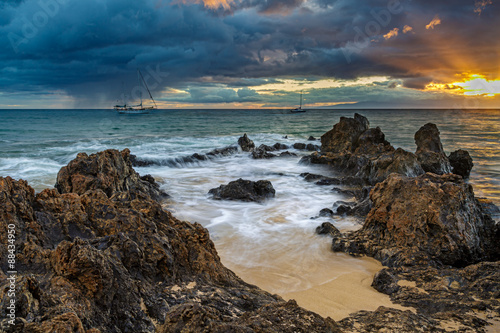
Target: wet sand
point(350, 292)
point(330, 284)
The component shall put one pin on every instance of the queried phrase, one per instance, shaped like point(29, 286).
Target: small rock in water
point(244, 190)
point(344, 210)
point(261, 153)
point(226, 151)
point(326, 212)
point(310, 176)
point(461, 163)
point(287, 154)
point(311, 138)
point(245, 143)
point(348, 193)
point(266, 148)
point(311, 147)
point(280, 146)
point(300, 146)
point(326, 228)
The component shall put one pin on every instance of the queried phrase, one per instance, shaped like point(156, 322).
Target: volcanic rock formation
point(99, 254)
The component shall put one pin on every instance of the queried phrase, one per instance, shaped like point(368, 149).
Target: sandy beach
point(349, 289)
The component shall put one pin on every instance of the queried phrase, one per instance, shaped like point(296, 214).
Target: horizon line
point(284, 108)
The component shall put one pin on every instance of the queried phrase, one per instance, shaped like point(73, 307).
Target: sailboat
point(139, 108)
point(299, 109)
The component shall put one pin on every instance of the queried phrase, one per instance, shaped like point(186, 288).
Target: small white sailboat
point(299, 109)
point(139, 108)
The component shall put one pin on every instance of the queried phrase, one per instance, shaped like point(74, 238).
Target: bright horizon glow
point(478, 85)
point(474, 85)
point(291, 85)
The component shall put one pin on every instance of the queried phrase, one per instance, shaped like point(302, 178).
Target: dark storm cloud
point(87, 48)
point(417, 83)
point(273, 6)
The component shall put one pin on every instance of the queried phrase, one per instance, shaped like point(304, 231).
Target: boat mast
point(139, 83)
point(300, 100)
point(145, 84)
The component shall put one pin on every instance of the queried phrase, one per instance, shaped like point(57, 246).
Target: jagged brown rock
point(446, 296)
point(430, 151)
point(110, 170)
point(344, 134)
point(101, 255)
point(424, 227)
point(389, 320)
point(353, 149)
point(431, 217)
point(436, 240)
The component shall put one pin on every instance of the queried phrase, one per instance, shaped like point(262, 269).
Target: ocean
point(272, 244)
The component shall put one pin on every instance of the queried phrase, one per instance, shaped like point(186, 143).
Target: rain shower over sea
point(271, 244)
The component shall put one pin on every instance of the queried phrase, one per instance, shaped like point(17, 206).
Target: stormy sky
point(250, 53)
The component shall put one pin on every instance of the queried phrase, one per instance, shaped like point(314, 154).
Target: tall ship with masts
point(299, 109)
point(139, 108)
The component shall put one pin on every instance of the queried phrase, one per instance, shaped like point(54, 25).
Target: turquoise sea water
point(272, 244)
point(34, 144)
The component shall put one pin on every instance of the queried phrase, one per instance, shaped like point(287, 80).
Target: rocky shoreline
point(439, 242)
point(99, 254)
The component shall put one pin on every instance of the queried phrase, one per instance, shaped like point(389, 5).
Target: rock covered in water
point(181, 161)
point(263, 151)
point(280, 146)
point(308, 146)
point(430, 151)
point(429, 218)
point(101, 255)
point(110, 171)
point(226, 151)
point(244, 190)
point(461, 163)
point(299, 145)
point(326, 212)
point(326, 228)
point(246, 144)
point(358, 209)
point(287, 154)
point(262, 154)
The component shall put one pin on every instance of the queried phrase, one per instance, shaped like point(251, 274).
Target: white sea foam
point(271, 237)
point(40, 172)
point(274, 239)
